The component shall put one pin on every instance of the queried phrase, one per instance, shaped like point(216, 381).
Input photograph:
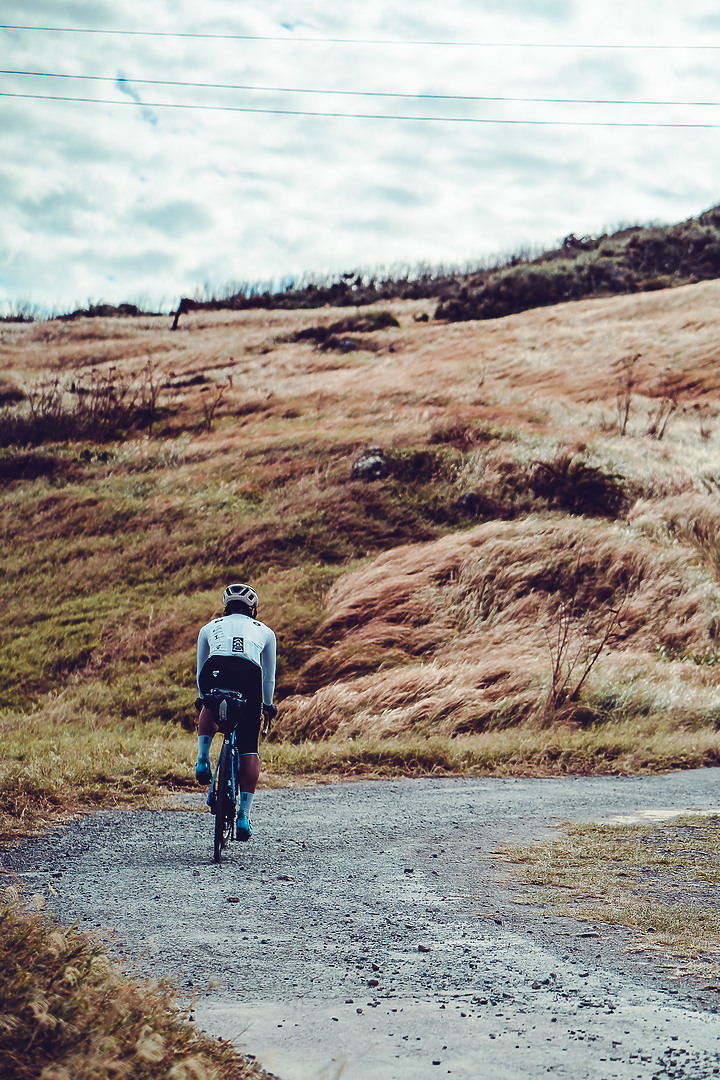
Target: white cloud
point(117, 200)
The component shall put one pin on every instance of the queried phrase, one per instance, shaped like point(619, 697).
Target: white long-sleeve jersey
point(239, 635)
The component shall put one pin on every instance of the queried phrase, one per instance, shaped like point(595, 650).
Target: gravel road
point(366, 931)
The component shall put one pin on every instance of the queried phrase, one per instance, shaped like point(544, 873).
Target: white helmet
point(244, 593)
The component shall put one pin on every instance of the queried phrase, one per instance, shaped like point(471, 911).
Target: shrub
point(569, 483)
point(336, 335)
point(105, 406)
point(532, 286)
point(10, 394)
point(31, 464)
point(106, 311)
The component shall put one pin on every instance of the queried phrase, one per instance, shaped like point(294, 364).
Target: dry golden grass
point(68, 1013)
point(564, 354)
point(454, 635)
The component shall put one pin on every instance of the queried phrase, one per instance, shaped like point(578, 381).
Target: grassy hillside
point(524, 576)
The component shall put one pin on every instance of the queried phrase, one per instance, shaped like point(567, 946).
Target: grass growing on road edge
point(661, 880)
point(48, 770)
point(52, 766)
point(616, 748)
point(67, 1012)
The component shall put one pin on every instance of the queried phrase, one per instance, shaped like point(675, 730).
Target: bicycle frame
point(231, 742)
point(222, 797)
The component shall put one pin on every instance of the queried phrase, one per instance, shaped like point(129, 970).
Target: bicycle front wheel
point(224, 804)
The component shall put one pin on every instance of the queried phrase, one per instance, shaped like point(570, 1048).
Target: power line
point(355, 93)
point(292, 39)
point(361, 116)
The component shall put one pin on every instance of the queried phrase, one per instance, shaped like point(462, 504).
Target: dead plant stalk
point(575, 648)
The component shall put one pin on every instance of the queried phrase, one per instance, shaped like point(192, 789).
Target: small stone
point(409, 869)
point(370, 465)
point(536, 985)
point(373, 982)
point(423, 948)
point(375, 967)
point(233, 899)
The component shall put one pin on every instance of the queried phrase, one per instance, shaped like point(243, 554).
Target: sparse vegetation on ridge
point(640, 258)
point(637, 258)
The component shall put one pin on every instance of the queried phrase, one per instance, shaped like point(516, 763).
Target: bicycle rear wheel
point(224, 804)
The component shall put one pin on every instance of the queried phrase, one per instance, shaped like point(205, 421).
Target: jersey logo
point(238, 645)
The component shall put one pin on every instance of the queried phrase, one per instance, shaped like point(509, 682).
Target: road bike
point(227, 707)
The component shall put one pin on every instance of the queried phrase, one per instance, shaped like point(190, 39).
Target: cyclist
point(236, 652)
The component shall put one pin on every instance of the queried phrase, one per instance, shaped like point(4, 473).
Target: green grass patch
point(659, 879)
point(120, 571)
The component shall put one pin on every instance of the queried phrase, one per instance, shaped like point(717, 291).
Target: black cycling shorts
point(241, 675)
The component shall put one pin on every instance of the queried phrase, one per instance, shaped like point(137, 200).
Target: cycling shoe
point(242, 827)
point(203, 771)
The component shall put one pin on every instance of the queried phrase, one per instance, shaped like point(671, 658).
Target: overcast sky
point(133, 200)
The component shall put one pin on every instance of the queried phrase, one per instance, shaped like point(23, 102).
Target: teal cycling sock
point(204, 747)
point(245, 802)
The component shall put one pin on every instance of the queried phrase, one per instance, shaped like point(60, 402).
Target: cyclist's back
point(236, 652)
point(226, 646)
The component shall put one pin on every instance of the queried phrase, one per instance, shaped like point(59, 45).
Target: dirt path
point(365, 931)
